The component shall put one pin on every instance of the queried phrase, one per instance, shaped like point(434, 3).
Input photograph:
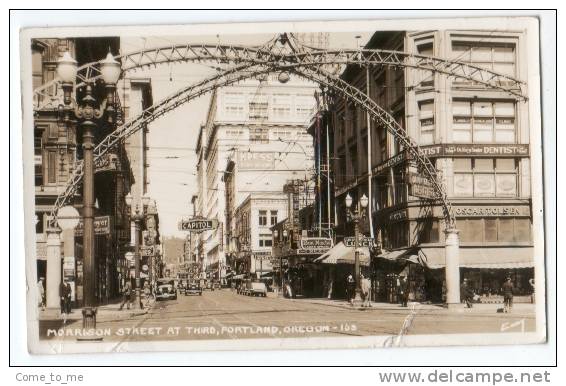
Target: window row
point(485, 177)
point(259, 107)
point(262, 219)
point(472, 121)
point(482, 230)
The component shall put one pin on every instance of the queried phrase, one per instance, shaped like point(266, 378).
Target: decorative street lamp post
point(137, 217)
point(356, 216)
point(88, 112)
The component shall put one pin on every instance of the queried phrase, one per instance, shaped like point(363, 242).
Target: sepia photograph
point(305, 185)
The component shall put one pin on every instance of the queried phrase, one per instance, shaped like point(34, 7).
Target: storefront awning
point(513, 257)
point(341, 254)
point(401, 253)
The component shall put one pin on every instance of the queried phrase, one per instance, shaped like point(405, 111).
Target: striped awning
point(341, 254)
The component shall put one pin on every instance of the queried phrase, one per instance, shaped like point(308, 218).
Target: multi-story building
point(57, 147)
point(478, 138)
point(254, 219)
point(254, 139)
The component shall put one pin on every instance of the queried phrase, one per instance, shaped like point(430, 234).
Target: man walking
point(65, 295)
point(467, 293)
point(508, 289)
point(41, 294)
point(366, 290)
point(350, 289)
point(127, 295)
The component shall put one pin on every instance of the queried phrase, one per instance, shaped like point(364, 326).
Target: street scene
point(284, 185)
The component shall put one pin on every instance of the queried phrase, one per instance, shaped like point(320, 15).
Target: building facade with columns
point(478, 139)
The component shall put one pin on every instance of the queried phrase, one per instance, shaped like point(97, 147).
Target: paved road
point(223, 314)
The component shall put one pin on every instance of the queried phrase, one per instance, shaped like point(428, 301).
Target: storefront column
point(53, 267)
point(452, 268)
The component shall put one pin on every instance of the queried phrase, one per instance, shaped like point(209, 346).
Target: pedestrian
point(467, 293)
point(127, 295)
point(330, 284)
point(532, 283)
point(403, 285)
point(508, 290)
point(147, 292)
point(366, 290)
point(65, 297)
point(350, 289)
point(68, 294)
point(41, 294)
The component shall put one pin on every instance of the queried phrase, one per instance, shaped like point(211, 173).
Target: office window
point(52, 167)
point(262, 218)
point(234, 105)
point(37, 67)
point(426, 122)
point(304, 107)
point(354, 159)
point(426, 78)
point(39, 226)
point(428, 230)
point(259, 135)
point(483, 121)
point(258, 108)
point(497, 57)
point(281, 105)
point(485, 177)
point(273, 217)
point(265, 240)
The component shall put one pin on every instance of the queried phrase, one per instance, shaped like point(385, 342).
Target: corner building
point(478, 138)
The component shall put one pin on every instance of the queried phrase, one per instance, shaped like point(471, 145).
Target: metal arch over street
point(46, 96)
point(243, 72)
point(308, 63)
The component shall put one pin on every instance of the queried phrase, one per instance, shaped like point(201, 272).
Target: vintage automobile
point(165, 289)
point(253, 288)
point(193, 287)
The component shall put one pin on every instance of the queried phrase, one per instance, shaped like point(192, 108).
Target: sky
point(172, 137)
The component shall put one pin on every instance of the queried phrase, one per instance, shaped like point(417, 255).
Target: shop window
point(262, 218)
point(273, 217)
point(426, 122)
point(485, 177)
point(483, 121)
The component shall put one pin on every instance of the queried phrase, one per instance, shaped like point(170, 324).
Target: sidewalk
point(520, 309)
point(106, 312)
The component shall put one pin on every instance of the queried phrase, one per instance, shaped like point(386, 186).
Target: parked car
point(166, 289)
point(193, 287)
point(253, 288)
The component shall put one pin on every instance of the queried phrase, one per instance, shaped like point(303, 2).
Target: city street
point(223, 314)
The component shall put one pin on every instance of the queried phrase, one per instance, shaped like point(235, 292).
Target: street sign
point(316, 243)
point(148, 250)
point(198, 225)
point(363, 242)
point(101, 226)
point(421, 187)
